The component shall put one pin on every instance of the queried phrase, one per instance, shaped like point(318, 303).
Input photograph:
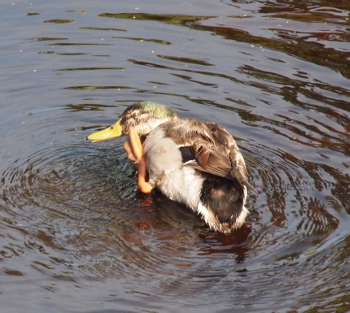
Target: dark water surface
point(75, 233)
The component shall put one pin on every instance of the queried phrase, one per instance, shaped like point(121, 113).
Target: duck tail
point(222, 204)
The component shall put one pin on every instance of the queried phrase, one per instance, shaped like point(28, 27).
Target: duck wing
point(199, 146)
point(207, 159)
point(186, 131)
point(229, 148)
point(207, 147)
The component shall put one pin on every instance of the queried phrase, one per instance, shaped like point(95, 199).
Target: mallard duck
point(189, 161)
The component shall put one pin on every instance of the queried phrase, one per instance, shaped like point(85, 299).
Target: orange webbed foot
point(137, 152)
point(144, 186)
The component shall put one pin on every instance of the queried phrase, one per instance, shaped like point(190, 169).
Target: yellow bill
point(112, 131)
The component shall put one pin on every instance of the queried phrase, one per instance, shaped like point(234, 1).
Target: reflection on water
point(73, 225)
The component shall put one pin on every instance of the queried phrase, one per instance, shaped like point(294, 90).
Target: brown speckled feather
point(215, 150)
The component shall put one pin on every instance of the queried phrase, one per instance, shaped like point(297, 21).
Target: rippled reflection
point(76, 234)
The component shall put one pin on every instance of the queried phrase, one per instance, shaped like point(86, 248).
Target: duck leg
point(137, 152)
point(129, 151)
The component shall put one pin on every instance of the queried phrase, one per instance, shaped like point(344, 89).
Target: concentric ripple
point(79, 204)
point(299, 213)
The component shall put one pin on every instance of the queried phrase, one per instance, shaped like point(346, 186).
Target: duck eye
point(134, 115)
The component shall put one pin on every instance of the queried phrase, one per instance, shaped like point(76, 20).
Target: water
point(75, 233)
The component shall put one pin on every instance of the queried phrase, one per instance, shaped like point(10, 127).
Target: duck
point(192, 162)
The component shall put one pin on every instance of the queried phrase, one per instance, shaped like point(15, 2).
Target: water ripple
point(73, 224)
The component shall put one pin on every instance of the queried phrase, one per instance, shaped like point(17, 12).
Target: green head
point(142, 116)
